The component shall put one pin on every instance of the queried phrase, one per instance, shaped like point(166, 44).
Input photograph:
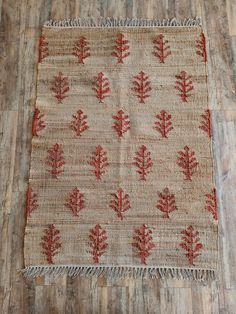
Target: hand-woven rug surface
point(121, 179)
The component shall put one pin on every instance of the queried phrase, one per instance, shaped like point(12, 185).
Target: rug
point(121, 179)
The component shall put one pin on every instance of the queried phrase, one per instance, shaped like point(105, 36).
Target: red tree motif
point(191, 244)
point(164, 125)
point(31, 202)
point(43, 48)
point(97, 243)
point(101, 86)
point(142, 86)
point(121, 48)
point(187, 161)
point(201, 47)
point(51, 243)
point(166, 202)
point(143, 162)
point(142, 243)
point(81, 49)
point(55, 160)
point(79, 123)
point(75, 201)
point(99, 161)
point(122, 123)
point(206, 123)
point(120, 202)
point(38, 123)
point(161, 48)
point(211, 204)
point(60, 87)
point(184, 85)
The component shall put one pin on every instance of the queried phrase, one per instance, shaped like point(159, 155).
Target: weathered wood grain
point(20, 27)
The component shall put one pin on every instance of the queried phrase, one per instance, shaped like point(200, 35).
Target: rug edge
point(123, 271)
point(123, 22)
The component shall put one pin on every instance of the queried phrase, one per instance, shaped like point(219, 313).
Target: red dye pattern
point(142, 243)
point(206, 123)
point(141, 86)
point(81, 49)
point(51, 243)
point(31, 202)
point(184, 85)
point(191, 244)
point(60, 87)
point(99, 161)
point(187, 161)
point(97, 242)
point(79, 123)
point(164, 125)
point(121, 48)
point(55, 160)
point(101, 86)
point(211, 204)
point(161, 48)
point(120, 202)
point(38, 123)
point(201, 47)
point(43, 49)
point(122, 123)
point(166, 202)
point(143, 162)
point(75, 201)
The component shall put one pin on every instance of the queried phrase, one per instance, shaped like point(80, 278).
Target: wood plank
point(231, 13)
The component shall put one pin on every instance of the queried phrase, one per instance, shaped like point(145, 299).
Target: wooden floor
point(20, 28)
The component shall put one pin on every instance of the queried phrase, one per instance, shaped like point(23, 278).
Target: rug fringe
point(127, 22)
point(120, 271)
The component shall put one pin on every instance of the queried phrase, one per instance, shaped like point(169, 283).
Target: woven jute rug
point(121, 177)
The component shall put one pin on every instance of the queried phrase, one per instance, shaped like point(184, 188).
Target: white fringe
point(126, 22)
point(120, 271)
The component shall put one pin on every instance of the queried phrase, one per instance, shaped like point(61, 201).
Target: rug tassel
point(123, 22)
point(120, 272)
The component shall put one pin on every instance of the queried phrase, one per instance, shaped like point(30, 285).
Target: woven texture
point(121, 165)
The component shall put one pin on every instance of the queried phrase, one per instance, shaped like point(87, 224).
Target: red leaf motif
point(161, 48)
point(81, 49)
point(43, 49)
point(55, 160)
point(99, 162)
point(101, 86)
point(163, 125)
point(201, 47)
point(191, 244)
point(51, 243)
point(187, 161)
point(166, 202)
point(97, 242)
point(142, 243)
point(122, 123)
point(75, 201)
point(143, 162)
point(211, 204)
point(38, 123)
point(206, 123)
point(31, 202)
point(120, 202)
point(184, 85)
point(79, 123)
point(141, 86)
point(121, 48)
point(60, 87)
